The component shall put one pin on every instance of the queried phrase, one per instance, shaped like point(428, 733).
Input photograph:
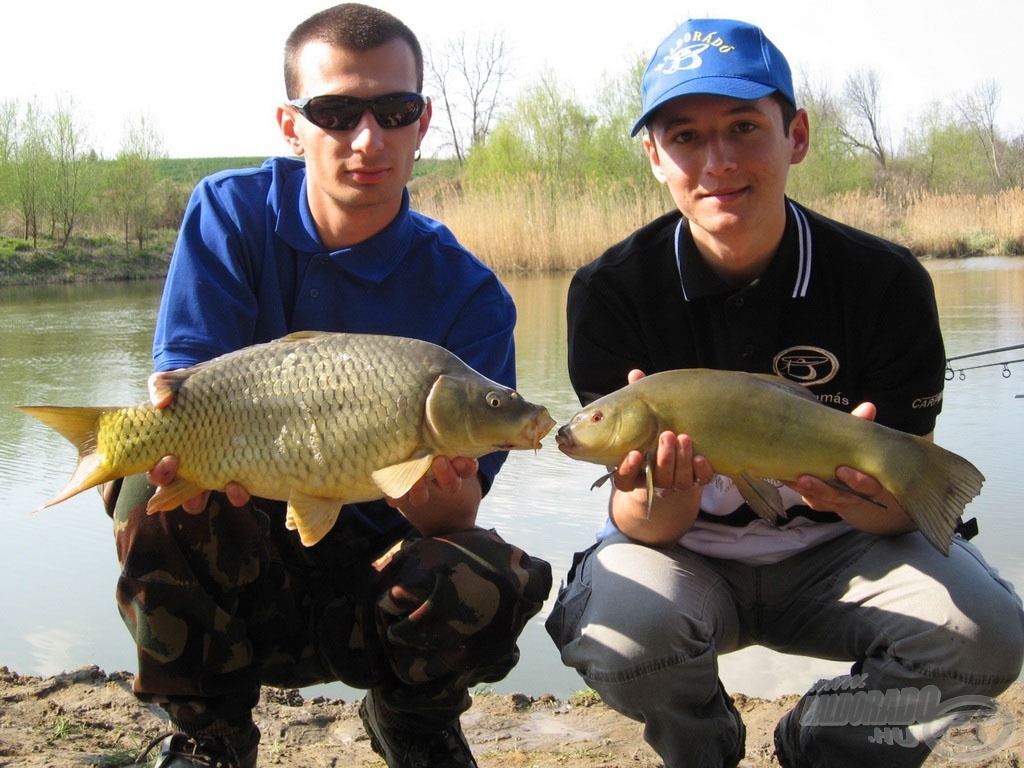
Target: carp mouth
point(564, 440)
point(537, 428)
point(534, 430)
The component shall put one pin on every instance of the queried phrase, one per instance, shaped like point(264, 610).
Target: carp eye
point(494, 399)
point(596, 417)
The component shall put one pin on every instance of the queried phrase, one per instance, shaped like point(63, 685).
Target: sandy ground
point(90, 718)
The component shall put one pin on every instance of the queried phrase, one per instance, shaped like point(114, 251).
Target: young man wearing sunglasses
point(222, 602)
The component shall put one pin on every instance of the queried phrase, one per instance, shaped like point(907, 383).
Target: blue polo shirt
point(249, 267)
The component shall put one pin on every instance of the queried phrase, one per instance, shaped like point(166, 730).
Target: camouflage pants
point(225, 601)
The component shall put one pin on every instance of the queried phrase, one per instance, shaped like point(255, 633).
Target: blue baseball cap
point(721, 57)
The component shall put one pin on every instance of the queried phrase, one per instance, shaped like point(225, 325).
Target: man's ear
point(424, 121)
point(800, 133)
point(651, 148)
point(286, 122)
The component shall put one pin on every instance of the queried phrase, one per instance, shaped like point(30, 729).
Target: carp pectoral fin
point(839, 485)
point(311, 516)
point(649, 481)
point(396, 480)
point(763, 497)
point(172, 496)
point(602, 479)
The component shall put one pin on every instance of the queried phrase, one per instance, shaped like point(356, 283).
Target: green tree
point(68, 151)
point(136, 191)
point(1013, 162)
point(547, 138)
point(8, 132)
point(941, 156)
point(32, 164)
point(614, 159)
point(832, 165)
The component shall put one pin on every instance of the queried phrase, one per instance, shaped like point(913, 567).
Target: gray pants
point(644, 628)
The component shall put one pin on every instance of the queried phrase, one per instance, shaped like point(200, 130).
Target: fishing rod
point(960, 372)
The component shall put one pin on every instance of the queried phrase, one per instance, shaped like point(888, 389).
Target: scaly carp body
point(315, 419)
point(753, 427)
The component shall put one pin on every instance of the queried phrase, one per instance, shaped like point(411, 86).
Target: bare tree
point(861, 96)
point(978, 109)
point(467, 76)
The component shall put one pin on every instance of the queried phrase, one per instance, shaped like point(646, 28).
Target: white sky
point(207, 73)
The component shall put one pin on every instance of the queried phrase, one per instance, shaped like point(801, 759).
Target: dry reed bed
point(532, 229)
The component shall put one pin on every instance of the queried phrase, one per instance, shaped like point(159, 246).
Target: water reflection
point(90, 345)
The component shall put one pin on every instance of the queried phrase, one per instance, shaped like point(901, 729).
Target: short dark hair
point(354, 26)
point(788, 108)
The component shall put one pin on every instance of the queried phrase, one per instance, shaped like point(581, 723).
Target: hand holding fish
point(444, 501)
point(675, 467)
point(752, 427)
point(315, 419)
point(869, 508)
point(677, 479)
point(165, 471)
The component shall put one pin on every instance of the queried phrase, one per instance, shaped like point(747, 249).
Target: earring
point(416, 155)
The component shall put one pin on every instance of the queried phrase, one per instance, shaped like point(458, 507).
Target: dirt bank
point(88, 717)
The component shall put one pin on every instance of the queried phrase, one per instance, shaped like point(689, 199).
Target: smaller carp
point(756, 426)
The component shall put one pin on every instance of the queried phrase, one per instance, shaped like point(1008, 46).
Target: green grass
point(190, 170)
point(587, 698)
point(85, 259)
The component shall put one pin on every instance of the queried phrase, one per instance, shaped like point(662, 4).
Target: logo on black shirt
point(806, 365)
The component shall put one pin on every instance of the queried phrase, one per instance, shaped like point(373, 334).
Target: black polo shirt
point(849, 315)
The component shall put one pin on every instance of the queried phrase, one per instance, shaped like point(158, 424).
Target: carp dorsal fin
point(168, 497)
point(762, 497)
point(311, 516)
point(299, 335)
point(785, 385)
point(396, 480)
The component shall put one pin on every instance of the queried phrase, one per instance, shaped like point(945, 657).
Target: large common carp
point(756, 426)
point(314, 419)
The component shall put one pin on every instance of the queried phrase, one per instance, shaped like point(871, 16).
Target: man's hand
point(678, 477)
point(444, 500)
point(166, 469)
point(882, 515)
point(675, 467)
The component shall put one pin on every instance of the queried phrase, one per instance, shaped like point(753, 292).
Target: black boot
point(403, 747)
point(179, 750)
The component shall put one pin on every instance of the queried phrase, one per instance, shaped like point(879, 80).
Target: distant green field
point(190, 170)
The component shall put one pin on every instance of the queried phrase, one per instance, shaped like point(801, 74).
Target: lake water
point(90, 345)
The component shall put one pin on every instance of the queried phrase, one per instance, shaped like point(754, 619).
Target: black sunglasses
point(343, 113)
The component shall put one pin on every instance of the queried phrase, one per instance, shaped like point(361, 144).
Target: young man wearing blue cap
point(742, 278)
